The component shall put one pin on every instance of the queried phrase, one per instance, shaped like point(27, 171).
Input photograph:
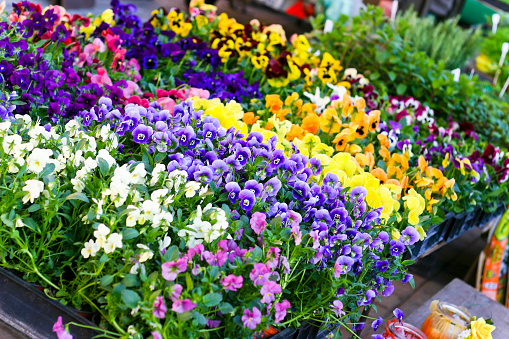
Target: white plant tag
point(394, 9)
point(504, 88)
point(457, 73)
point(329, 25)
point(495, 19)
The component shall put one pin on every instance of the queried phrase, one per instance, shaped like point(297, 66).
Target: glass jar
point(446, 321)
point(397, 330)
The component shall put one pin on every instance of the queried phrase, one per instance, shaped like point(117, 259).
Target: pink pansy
point(96, 46)
point(112, 41)
point(181, 306)
point(258, 222)
point(118, 60)
point(268, 290)
point(101, 78)
point(61, 332)
point(157, 335)
point(172, 268)
point(159, 308)
point(252, 319)
point(84, 59)
point(198, 249)
point(295, 217)
point(198, 92)
point(232, 282)
point(315, 237)
point(131, 88)
point(196, 270)
point(217, 259)
point(286, 265)
point(296, 233)
point(176, 291)
point(273, 256)
point(223, 244)
point(337, 308)
point(166, 103)
point(281, 310)
point(259, 274)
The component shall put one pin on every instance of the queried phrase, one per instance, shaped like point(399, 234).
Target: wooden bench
point(459, 293)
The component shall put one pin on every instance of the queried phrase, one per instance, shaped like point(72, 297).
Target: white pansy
point(38, 132)
point(76, 159)
point(165, 218)
point(146, 253)
point(203, 190)
point(90, 144)
point(78, 185)
point(10, 143)
point(150, 208)
point(38, 159)
point(14, 163)
point(34, 189)
point(175, 179)
point(66, 151)
point(101, 233)
point(337, 90)
point(156, 172)
point(122, 174)
point(159, 195)
point(105, 155)
point(135, 196)
point(131, 330)
point(19, 223)
point(138, 174)
point(90, 249)
point(119, 192)
point(90, 164)
point(164, 243)
point(99, 210)
point(27, 120)
point(191, 188)
point(4, 127)
point(114, 241)
point(132, 217)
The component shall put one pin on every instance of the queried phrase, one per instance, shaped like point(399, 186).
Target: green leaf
point(6, 221)
point(106, 280)
point(131, 280)
point(189, 282)
point(130, 233)
point(408, 262)
point(118, 288)
point(104, 167)
point(401, 89)
point(171, 254)
point(285, 233)
point(200, 318)
point(225, 308)
point(391, 75)
point(412, 282)
point(30, 223)
point(257, 253)
point(48, 169)
point(34, 208)
point(212, 299)
point(77, 196)
point(130, 298)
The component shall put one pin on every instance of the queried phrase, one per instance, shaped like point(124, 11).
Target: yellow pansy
point(480, 329)
point(380, 197)
point(445, 162)
point(345, 163)
point(395, 234)
point(422, 233)
point(107, 16)
point(178, 24)
point(236, 109)
point(88, 30)
point(266, 133)
point(322, 149)
point(415, 204)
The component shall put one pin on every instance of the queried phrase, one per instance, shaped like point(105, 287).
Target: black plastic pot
point(465, 222)
point(306, 331)
point(434, 235)
point(30, 312)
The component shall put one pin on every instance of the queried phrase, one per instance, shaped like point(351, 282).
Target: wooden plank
point(459, 293)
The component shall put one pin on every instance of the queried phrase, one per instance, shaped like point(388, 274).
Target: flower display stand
point(31, 314)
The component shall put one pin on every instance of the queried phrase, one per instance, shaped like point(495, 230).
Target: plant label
point(456, 72)
point(329, 25)
point(495, 19)
point(504, 88)
point(394, 9)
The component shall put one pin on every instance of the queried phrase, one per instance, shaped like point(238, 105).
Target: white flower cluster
point(103, 239)
point(207, 225)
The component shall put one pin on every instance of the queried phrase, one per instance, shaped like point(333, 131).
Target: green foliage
point(443, 41)
point(372, 44)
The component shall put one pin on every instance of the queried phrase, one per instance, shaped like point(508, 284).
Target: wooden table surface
point(459, 293)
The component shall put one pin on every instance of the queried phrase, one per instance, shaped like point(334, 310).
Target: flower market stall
point(189, 176)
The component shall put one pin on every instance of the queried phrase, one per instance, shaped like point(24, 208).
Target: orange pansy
point(384, 140)
point(380, 174)
point(311, 123)
point(249, 118)
point(374, 120)
point(295, 132)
